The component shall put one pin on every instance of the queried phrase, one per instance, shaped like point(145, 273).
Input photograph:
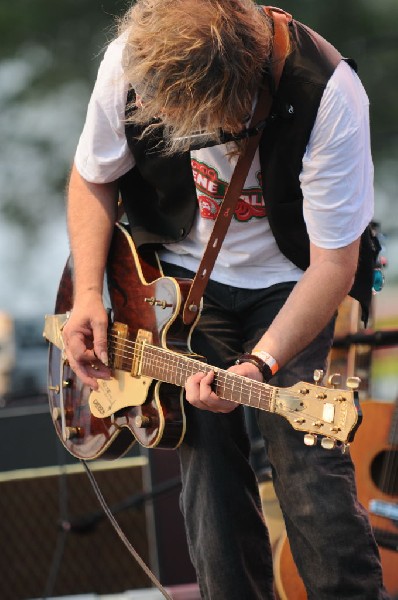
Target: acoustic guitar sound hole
point(384, 472)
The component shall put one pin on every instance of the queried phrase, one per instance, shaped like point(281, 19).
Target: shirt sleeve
point(337, 173)
point(102, 153)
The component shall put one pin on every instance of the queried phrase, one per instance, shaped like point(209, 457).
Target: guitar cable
point(121, 534)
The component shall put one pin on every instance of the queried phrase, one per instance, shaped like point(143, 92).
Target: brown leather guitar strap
point(263, 107)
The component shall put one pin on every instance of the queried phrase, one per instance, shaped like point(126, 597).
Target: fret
point(245, 392)
point(220, 388)
point(250, 401)
point(232, 390)
point(258, 402)
point(240, 386)
point(181, 374)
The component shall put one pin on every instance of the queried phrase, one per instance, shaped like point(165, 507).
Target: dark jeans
point(328, 529)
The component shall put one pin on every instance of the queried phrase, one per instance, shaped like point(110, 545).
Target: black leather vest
point(159, 194)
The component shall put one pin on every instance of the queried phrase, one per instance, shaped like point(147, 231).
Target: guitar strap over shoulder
point(227, 208)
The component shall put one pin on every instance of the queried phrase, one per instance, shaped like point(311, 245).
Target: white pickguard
point(121, 391)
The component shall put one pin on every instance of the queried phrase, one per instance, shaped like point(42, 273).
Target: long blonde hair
point(196, 63)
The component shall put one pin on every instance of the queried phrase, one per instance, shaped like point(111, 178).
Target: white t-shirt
point(336, 179)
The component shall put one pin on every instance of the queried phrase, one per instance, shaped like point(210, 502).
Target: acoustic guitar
point(151, 359)
point(375, 456)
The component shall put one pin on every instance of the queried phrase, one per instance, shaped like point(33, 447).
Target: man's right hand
point(85, 340)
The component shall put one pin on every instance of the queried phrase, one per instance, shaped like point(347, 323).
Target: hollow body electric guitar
point(151, 359)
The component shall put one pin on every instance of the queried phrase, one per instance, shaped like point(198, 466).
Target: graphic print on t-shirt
point(211, 190)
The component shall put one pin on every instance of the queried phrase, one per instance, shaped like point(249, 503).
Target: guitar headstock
point(330, 412)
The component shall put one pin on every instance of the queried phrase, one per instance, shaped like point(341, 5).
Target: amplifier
point(57, 541)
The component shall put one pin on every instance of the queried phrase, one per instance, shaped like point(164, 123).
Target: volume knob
point(142, 421)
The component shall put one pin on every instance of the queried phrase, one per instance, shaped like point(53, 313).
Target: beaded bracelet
point(261, 365)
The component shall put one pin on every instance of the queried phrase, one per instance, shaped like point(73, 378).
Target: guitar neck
point(311, 408)
point(169, 367)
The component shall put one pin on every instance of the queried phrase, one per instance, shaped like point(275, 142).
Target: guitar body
point(375, 461)
point(149, 306)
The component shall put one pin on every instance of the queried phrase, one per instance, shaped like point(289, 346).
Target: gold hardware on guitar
point(334, 380)
point(310, 439)
point(143, 421)
point(71, 432)
point(154, 302)
point(353, 383)
point(318, 376)
point(328, 443)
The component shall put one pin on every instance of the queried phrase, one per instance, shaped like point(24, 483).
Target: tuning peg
point(318, 375)
point(310, 439)
point(328, 443)
point(334, 380)
point(353, 383)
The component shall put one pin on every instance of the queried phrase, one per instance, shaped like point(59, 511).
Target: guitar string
point(164, 362)
point(247, 393)
point(388, 485)
point(389, 479)
point(246, 386)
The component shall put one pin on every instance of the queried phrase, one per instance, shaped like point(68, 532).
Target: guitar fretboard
point(164, 365)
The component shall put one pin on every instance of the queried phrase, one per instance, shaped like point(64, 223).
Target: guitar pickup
point(123, 348)
point(143, 337)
